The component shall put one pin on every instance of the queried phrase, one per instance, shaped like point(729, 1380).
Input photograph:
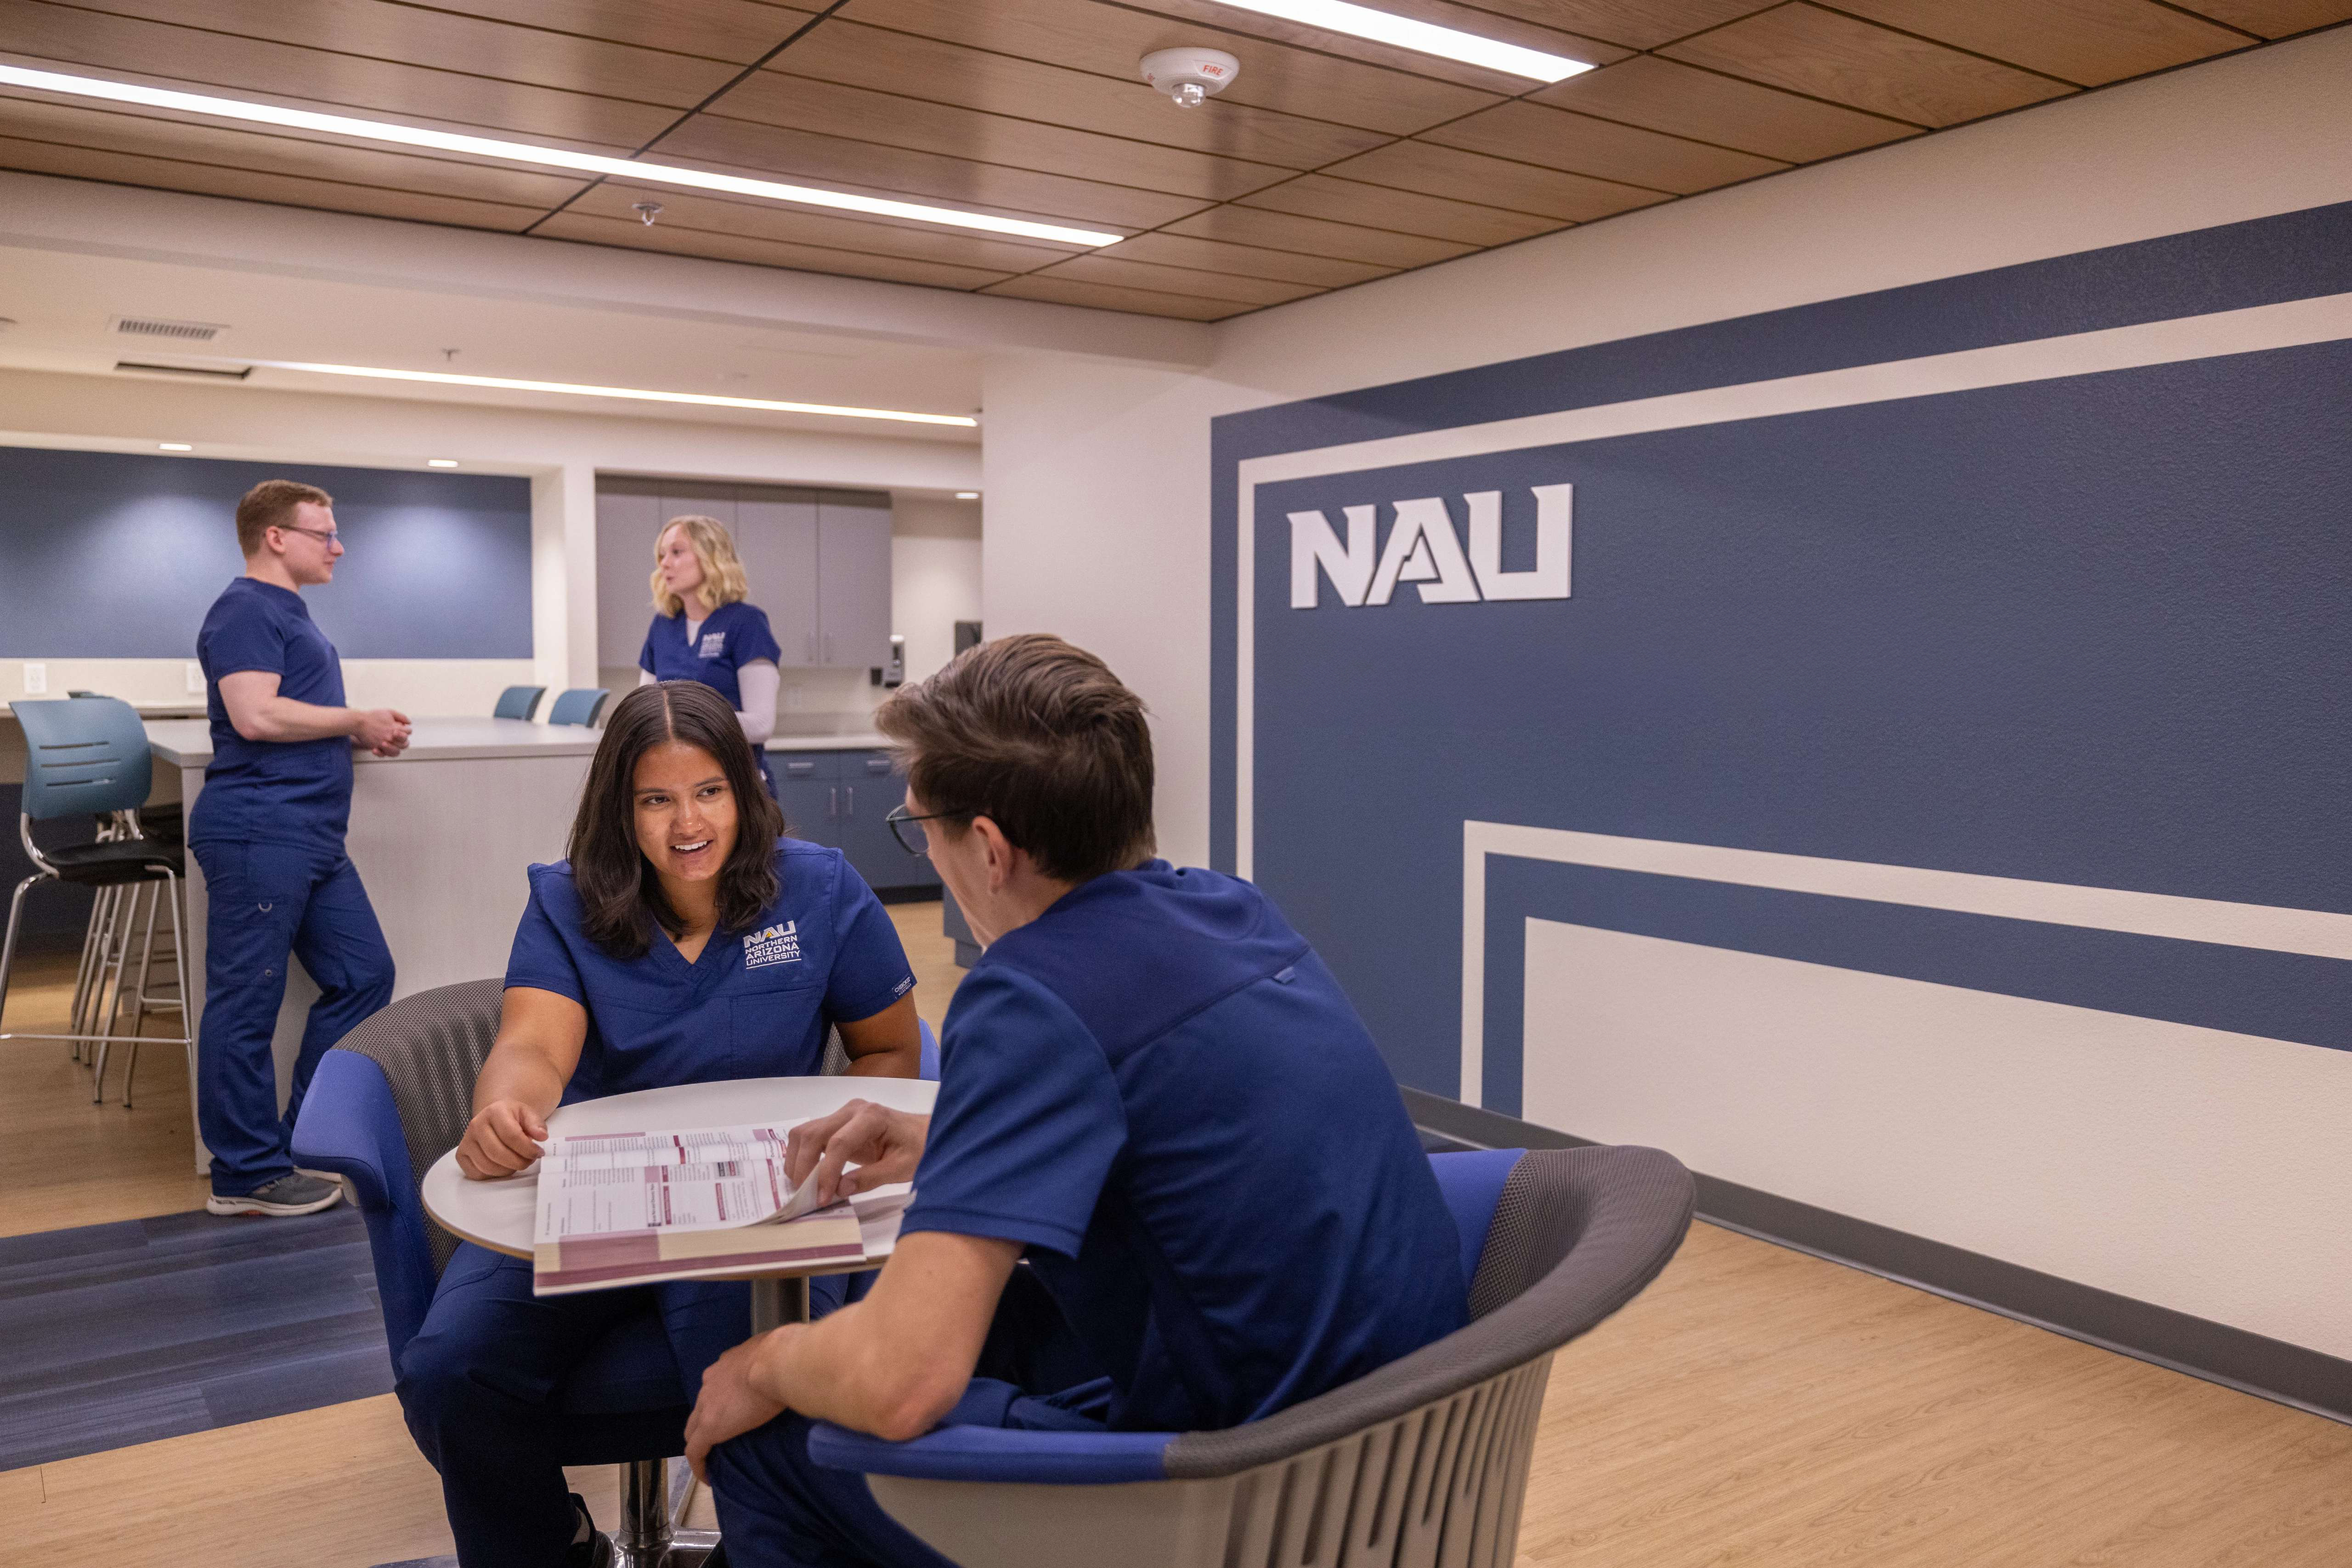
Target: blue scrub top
point(755, 1004)
point(279, 792)
point(1160, 1090)
point(734, 637)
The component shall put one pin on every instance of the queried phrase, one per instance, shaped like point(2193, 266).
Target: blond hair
point(723, 571)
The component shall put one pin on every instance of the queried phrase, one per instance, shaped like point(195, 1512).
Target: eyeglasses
point(917, 845)
point(330, 535)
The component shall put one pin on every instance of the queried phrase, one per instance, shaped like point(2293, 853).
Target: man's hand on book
point(503, 1137)
point(883, 1143)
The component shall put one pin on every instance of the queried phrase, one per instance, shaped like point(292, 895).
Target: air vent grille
point(179, 332)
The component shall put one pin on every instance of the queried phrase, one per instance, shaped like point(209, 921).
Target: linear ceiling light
point(543, 157)
point(1426, 38)
point(641, 394)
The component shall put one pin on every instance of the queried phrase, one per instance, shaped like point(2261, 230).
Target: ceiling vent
point(178, 331)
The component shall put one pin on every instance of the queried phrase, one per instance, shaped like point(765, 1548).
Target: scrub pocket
point(255, 895)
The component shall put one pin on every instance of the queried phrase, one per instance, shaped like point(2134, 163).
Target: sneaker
point(296, 1194)
point(591, 1547)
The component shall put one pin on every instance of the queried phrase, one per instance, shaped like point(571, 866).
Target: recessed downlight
point(440, 463)
point(173, 446)
point(1422, 37)
point(967, 494)
point(541, 157)
point(640, 395)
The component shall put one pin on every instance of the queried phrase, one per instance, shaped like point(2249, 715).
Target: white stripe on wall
point(2315, 933)
point(2289, 325)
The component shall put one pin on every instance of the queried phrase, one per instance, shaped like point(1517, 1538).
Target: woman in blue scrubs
point(651, 957)
point(703, 631)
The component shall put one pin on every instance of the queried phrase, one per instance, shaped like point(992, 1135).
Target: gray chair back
point(431, 1048)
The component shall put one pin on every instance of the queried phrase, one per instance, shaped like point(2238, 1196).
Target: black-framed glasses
point(916, 845)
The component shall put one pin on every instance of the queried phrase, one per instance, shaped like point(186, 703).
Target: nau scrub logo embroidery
point(1423, 550)
point(772, 945)
point(713, 644)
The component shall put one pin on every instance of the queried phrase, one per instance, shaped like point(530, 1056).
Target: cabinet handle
point(853, 800)
point(828, 647)
point(833, 801)
point(808, 646)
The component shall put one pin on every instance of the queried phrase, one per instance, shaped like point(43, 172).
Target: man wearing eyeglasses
point(267, 830)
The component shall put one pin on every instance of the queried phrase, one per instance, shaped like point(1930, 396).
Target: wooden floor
point(1755, 1407)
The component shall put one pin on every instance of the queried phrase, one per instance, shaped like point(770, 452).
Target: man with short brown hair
point(1169, 1185)
point(268, 829)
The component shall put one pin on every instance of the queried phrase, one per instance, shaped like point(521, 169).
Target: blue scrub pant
point(779, 1508)
point(265, 901)
point(481, 1386)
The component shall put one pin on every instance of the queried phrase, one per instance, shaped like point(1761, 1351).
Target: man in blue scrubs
point(1153, 1091)
point(268, 829)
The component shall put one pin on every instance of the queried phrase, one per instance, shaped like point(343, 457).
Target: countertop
point(188, 742)
point(865, 740)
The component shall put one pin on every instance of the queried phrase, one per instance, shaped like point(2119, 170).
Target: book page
point(714, 1179)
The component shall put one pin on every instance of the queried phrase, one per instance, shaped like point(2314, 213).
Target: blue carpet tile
point(123, 1334)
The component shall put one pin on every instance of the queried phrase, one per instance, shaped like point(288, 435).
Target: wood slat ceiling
point(1330, 161)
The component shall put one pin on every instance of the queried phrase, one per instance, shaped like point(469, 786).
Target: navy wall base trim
point(2249, 1362)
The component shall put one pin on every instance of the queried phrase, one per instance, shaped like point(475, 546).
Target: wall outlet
point(795, 696)
point(195, 676)
point(37, 679)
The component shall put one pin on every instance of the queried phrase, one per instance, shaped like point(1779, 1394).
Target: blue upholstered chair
point(1423, 1464)
point(579, 705)
point(518, 702)
point(391, 1099)
point(88, 756)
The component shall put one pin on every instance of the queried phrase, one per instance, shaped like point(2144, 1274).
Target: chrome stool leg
point(166, 892)
point(91, 930)
point(647, 1536)
point(105, 997)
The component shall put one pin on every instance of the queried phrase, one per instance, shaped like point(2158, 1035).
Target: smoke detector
point(1190, 76)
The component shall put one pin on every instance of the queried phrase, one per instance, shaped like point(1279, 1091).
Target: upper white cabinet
point(818, 562)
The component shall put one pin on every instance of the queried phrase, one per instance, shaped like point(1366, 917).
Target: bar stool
point(89, 756)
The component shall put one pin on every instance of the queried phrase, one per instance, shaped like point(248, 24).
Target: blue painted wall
point(2089, 630)
point(117, 556)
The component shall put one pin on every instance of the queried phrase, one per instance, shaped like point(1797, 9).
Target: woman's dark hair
point(617, 889)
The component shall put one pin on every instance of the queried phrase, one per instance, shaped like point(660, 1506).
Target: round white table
point(502, 1214)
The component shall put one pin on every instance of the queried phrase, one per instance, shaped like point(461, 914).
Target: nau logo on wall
point(1423, 548)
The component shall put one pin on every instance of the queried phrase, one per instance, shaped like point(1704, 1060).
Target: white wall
point(561, 452)
point(1097, 525)
point(935, 577)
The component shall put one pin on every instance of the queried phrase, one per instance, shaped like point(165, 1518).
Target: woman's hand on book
point(503, 1137)
point(883, 1143)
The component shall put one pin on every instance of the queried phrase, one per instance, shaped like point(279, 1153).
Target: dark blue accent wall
point(2087, 631)
point(108, 555)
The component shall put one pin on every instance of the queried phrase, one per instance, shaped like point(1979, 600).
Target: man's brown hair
point(270, 504)
point(1040, 738)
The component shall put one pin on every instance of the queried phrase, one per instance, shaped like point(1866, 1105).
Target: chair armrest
point(999, 1454)
point(350, 1125)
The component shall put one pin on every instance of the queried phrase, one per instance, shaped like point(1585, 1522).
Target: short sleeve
point(754, 641)
point(541, 960)
point(869, 965)
point(1029, 1119)
point(645, 653)
point(246, 638)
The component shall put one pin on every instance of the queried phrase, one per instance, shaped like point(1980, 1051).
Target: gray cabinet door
point(812, 807)
point(869, 790)
point(852, 546)
point(777, 539)
point(625, 525)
